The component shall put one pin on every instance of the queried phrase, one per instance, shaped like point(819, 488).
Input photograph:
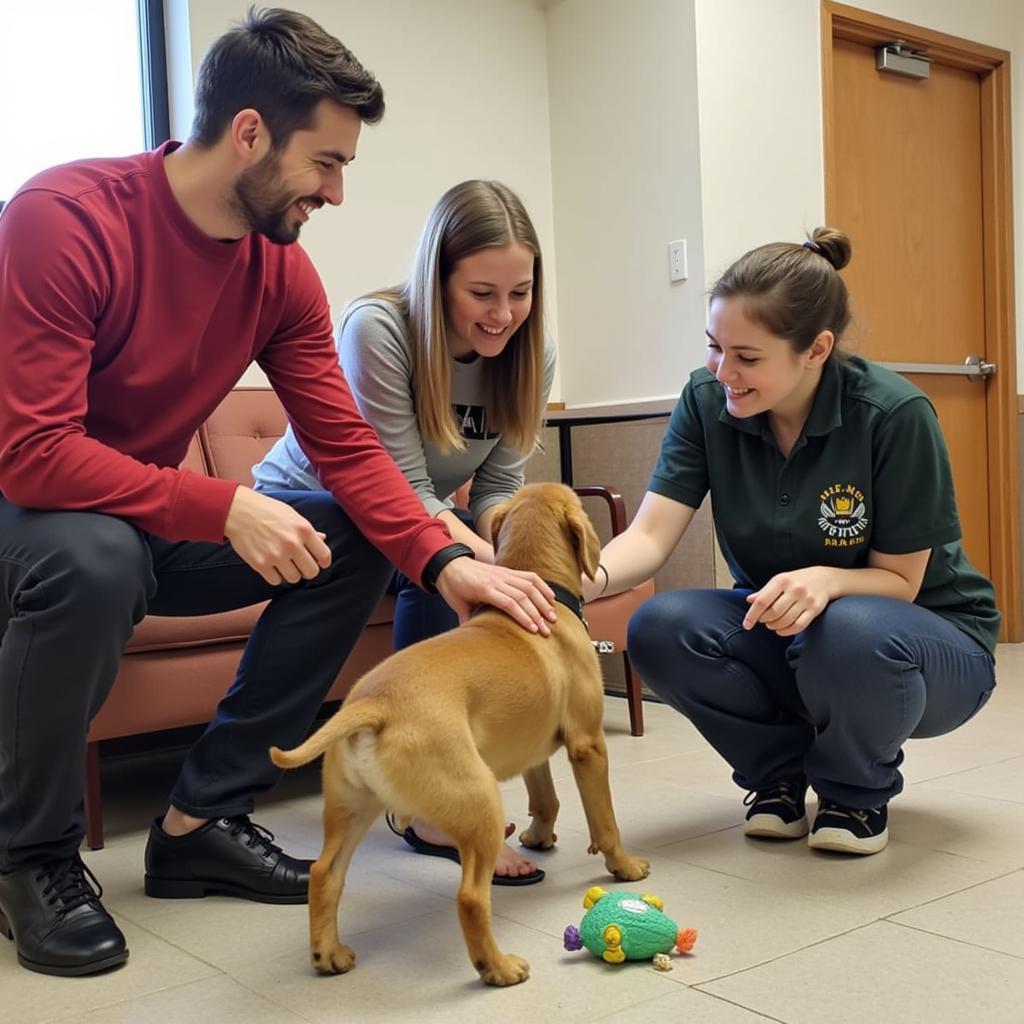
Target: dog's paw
point(338, 960)
point(508, 970)
point(534, 838)
point(632, 869)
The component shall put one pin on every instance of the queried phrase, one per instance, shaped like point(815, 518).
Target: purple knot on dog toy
point(571, 940)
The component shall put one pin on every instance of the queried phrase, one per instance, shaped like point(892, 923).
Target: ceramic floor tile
point(419, 971)
point(987, 915)
point(997, 726)
point(884, 972)
point(900, 877)
point(937, 759)
point(701, 770)
point(120, 868)
point(30, 998)
point(1002, 781)
point(687, 1005)
point(212, 1001)
point(1009, 692)
point(1010, 664)
point(940, 816)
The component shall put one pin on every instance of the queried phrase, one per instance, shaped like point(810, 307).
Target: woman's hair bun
point(833, 245)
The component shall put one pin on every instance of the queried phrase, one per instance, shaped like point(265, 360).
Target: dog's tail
point(362, 715)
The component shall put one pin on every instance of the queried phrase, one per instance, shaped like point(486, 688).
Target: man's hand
point(272, 538)
point(790, 601)
point(464, 583)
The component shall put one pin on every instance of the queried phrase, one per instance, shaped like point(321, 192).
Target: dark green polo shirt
point(869, 470)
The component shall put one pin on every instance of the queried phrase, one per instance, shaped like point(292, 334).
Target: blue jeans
point(835, 703)
point(419, 615)
point(72, 587)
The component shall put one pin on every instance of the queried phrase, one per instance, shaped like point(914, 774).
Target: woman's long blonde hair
point(471, 216)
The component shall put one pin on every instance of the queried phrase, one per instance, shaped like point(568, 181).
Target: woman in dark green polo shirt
point(856, 621)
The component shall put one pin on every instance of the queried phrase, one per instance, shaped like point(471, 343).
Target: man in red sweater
point(133, 294)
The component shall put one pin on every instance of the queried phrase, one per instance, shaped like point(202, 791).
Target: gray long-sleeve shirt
point(376, 356)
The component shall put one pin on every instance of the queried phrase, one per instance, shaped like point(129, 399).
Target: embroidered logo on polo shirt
point(843, 516)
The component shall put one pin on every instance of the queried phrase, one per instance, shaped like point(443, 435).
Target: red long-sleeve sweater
point(122, 326)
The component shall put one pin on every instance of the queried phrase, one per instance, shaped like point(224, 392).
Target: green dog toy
point(627, 926)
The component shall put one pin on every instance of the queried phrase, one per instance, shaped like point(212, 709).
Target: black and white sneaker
point(777, 811)
point(849, 829)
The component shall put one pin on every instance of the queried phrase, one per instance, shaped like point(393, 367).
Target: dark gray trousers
point(72, 587)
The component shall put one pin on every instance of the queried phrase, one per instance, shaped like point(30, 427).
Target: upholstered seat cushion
point(165, 633)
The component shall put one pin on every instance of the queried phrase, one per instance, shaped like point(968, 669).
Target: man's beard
point(264, 206)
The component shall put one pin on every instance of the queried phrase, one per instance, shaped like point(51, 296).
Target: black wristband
point(447, 554)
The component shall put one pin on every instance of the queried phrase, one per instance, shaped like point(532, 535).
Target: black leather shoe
point(56, 919)
point(226, 855)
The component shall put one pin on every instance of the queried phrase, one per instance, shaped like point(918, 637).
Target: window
point(79, 80)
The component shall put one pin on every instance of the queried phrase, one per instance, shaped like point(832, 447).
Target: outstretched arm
point(642, 548)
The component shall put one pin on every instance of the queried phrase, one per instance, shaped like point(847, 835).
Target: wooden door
point(907, 179)
point(907, 189)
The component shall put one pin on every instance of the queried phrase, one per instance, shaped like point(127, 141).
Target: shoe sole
point(78, 969)
point(839, 840)
point(72, 971)
point(769, 826)
point(195, 889)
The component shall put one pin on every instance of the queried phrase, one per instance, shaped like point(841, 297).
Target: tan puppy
point(431, 730)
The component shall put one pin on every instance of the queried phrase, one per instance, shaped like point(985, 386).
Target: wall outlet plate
point(677, 269)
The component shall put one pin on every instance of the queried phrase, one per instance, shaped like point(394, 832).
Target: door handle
point(973, 367)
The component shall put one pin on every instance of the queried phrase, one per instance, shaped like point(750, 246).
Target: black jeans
point(72, 587)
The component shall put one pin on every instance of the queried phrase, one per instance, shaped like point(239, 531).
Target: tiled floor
point(930, 930)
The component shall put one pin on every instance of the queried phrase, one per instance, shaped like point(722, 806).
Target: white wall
point(593, 111)
point(466, 87)
point(761, 146)
point(759, 86)
point(626, 178)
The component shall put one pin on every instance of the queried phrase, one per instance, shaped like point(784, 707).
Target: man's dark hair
point(282, 64)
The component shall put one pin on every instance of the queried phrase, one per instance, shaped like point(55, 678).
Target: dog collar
point(571, 601)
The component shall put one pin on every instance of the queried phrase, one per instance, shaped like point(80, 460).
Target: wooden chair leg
point(93, 797)
point(634, 697)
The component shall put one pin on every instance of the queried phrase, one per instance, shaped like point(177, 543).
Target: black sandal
point(450, 853)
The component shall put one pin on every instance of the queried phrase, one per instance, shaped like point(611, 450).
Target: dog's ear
point(497, 520)
point(584, 538)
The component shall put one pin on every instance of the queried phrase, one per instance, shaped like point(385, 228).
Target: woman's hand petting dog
point(466, 583)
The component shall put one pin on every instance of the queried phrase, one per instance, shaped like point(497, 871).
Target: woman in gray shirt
point(453, 370)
